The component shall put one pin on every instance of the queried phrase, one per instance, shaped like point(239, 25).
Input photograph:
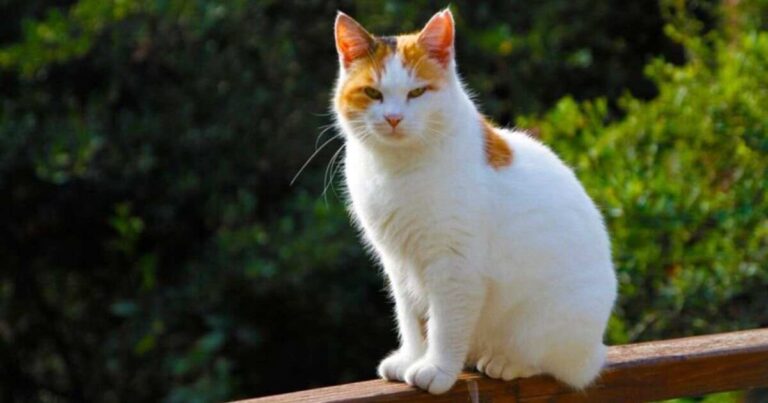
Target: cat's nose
point(393, 119)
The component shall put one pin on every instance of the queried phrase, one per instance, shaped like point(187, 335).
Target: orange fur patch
point(498, 153)
point(362, 73)
point(416, 57)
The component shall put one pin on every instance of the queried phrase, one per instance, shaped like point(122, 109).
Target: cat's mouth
point(389, 134)
point(399, 136)
point(394, 133)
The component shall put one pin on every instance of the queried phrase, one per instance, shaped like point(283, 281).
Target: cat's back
point(536, 176)
point(539, 206)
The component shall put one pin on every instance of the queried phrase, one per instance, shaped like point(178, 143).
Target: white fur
point(510, 268)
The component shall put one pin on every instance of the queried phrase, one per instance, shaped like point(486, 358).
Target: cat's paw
point(426, 375)
point(393, 367)
point(499, 367)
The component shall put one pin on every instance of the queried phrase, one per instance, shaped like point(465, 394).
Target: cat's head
point(392, 89)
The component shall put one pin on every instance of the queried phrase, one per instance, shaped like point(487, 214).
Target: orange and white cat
point(496, 256)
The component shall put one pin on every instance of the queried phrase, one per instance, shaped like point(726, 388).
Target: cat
point(496, 257)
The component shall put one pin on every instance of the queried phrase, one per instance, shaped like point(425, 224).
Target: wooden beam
point(634, 372)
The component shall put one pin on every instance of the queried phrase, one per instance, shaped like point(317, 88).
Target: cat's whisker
point(325, 114)
point(310, 158)
point(324, 129)
point(328, 180)
point(325, 172)
point(339, 166)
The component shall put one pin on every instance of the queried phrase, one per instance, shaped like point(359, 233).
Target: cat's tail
point(580, 367)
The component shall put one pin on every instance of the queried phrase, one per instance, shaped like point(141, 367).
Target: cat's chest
point(384, 204)
point(408, 217)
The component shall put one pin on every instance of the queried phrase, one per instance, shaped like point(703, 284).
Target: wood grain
point(634, 373)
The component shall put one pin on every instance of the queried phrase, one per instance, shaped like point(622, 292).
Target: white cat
point(496, 257)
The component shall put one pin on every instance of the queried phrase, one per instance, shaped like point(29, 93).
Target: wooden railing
point(634, 373)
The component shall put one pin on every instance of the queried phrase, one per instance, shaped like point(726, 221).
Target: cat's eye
point(373, 93)
point(417, 92)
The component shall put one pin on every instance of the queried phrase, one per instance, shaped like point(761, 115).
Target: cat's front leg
point(412, 342)
point(455, 296)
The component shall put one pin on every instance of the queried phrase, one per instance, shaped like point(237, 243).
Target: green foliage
point(682, 182)
point(60, 37)
point(728, 397)
point(154, 250)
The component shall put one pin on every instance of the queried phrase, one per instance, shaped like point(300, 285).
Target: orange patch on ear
point(498, 153)
point(416, 57)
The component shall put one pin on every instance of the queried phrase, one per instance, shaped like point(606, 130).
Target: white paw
point(501, 368)
point(428, 376)
point(393, 367)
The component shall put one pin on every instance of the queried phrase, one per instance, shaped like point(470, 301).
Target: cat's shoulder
point(524, 142)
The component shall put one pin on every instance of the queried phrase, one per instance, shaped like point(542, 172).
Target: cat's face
point(392, 89)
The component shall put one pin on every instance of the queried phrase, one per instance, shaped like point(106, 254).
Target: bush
point(153, 248)
point(682, 182)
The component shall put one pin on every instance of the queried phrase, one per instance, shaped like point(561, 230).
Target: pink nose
point(393, 119)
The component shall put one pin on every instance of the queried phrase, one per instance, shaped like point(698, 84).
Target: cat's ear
point(437, 37)
point(352, 40)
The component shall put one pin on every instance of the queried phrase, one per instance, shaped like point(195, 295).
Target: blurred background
point(153, 249)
